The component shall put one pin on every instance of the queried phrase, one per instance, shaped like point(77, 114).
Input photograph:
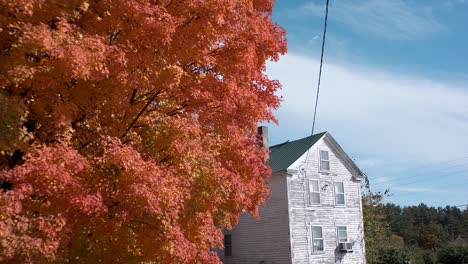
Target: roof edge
point(319, 135)
point(289, 141)
point(347, 161)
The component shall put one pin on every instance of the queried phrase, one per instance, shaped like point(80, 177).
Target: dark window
point(227, 245)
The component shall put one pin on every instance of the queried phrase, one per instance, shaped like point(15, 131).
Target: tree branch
point(176, 111)
point(144, 223)
point(168, 157)
point(141, 112)
point(188, 21)
point(132, 98)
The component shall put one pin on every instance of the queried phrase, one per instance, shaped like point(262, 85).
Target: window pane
point(325, 165)
point(342, 234)
point(323, 155)
point(318, 245)
point(314, 192)
point(340, 199)
point(314, 186)
point(315, 198)
point(339, 188)
point(317, 232)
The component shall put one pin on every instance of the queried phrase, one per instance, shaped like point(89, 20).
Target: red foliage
point(137, 120)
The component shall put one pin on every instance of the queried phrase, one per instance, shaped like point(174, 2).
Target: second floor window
point(324, 160)
point(314, 192)
point(339, 193)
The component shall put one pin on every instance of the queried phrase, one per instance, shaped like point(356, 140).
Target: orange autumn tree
point(128, 127)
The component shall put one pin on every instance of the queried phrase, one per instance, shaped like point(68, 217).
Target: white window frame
point(312, 250)
point(335, 194)
point(337, 234)
point(309, 192)
point(320, 160)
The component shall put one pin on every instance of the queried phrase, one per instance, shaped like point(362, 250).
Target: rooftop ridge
point(284, 154)
point(293, 141)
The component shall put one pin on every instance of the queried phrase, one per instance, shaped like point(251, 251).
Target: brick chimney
point(263, 136)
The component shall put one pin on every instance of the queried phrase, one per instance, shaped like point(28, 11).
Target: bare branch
point(141, 112)
point(188, 21)
point(114, 36)
point(132, 98)
point(177, 110)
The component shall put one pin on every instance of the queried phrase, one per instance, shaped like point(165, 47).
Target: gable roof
point(285, 154)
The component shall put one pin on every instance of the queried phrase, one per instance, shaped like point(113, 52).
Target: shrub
point(453, 255)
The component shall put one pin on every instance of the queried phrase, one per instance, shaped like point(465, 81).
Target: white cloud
point(374, 114)
point(388, 18)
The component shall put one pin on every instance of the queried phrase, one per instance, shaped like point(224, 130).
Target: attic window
point(324, 161)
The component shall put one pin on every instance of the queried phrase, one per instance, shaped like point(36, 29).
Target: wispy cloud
point(388, 18)
point(382, 180)
point(374, 113)
point(419, 190)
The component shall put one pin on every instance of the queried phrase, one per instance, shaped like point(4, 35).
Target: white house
point(314, 211)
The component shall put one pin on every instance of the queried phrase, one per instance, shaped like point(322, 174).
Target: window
point(342, 234)
point(324, 160)
point(314, 192)
point(227, 245)
point(339, 193)
point(317, 239)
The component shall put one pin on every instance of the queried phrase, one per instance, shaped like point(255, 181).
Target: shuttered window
point(314, 192)
point(324, 160)
point(317, 239)
point(339, 193)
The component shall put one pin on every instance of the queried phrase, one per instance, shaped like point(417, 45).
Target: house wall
point(263, 241)
point(327, 215)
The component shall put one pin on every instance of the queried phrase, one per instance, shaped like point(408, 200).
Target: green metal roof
point(284, 154)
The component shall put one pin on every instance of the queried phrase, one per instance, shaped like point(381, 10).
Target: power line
point(442, 187)
point(433, 169)
point(321, 63)
point(401, 187)
point(417, 178)
point(427, 167)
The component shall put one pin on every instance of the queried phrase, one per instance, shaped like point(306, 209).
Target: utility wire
point(444, 167)
point(441, 187)
point(417, 178)
point(321, 63)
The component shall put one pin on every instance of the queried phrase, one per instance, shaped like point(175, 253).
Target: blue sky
point(394, 90)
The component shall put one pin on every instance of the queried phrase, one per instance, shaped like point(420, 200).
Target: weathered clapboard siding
point(327, 215)
point(267, 239)
point(282, 235)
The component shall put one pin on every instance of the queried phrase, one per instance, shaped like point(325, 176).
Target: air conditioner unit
point(345, 247)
